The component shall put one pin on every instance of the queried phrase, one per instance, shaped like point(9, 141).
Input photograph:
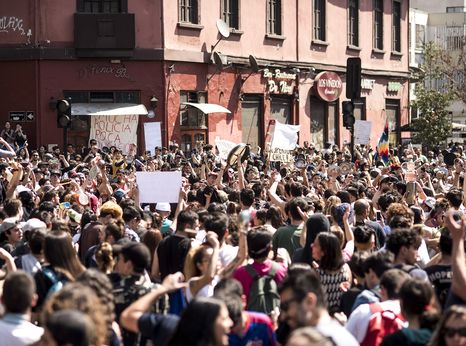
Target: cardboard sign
point(117, 130)
point(152, 136)
point(362, 132)
point(285, 156)
point(285, 136)
point(158, 186)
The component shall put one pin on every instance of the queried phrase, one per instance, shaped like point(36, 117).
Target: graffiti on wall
point(12, 24)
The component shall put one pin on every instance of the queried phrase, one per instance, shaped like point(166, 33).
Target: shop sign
point(284, 156)
point(277, 81)
point(393, 86)
point(367, 84)
point(94, 70)
point(17, 116)
point(328, 86)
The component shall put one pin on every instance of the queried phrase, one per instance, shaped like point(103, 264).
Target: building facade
point(444, 23)
point(284, 63)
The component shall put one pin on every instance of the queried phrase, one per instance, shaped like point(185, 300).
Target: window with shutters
point(319, 20)
point(353, 23)
point(274, 17)
point(230, 13)
point(396, 27)
point(188, 11)
point(190, 116)
point(378, 24)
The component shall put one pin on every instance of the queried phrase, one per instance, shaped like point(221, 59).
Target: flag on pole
point(381, 152)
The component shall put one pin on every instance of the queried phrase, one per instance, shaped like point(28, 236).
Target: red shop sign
point(328, 86)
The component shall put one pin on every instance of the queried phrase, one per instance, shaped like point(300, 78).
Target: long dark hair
point(316, 224)
point(332, 258)
point(60, 254)
point(438, 339)
point(196, 325)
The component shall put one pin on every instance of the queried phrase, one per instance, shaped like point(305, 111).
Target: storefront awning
point(207, 107)
point(108, 109)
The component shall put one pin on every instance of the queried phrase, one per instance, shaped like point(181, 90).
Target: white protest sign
point(114, 130)
point(284, 156)
point(285, 136)
point(224, 147)
point(362, 132)
point(152, 136)
point(158, 186)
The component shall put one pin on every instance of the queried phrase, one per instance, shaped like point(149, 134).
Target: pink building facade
point(131, 51)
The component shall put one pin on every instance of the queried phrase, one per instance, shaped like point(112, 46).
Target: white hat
point(33, 224)
point(163, 206)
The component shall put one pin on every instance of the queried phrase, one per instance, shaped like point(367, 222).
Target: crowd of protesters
point(333, 249)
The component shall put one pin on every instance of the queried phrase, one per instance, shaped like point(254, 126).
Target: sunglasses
point(451, 332)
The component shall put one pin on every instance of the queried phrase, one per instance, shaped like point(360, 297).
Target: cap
point(430, 202)
point(55, 172)
point(48, 156)
point(163, 206)
point(9, 223)
point(119, 194)
point(33, 224)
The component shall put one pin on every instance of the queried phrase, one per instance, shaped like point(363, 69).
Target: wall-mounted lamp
point(153, 102)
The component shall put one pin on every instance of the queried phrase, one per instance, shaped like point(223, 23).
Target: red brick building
point(107, 52)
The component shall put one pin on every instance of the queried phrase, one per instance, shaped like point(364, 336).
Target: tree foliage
point(437, 85)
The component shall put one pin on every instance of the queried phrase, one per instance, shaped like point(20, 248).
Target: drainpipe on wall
point(36, 19)
point(164, 81)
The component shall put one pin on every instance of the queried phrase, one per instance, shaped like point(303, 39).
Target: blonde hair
point(104, 258)
point(75, 296)
point(331, 202)
point(111, 208)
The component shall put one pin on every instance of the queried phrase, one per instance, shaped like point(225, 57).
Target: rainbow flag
point(381, 152)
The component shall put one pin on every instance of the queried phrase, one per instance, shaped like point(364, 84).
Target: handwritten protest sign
point(158, 186)
point(117, 130)
point(152, 136)
point(285, 156)
point(362, 132)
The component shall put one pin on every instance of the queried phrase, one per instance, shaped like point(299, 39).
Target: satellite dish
point(253, 63)
point(218, 61)
point(223, 28)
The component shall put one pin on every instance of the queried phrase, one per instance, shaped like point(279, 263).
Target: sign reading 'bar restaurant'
point(328, 86)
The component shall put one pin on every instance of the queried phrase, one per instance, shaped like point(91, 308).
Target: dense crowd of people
point(333, 249)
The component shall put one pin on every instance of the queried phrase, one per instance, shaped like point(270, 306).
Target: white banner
point(224, 147)
point(285, 136)
point(157, 187)
point(117, 130)
point(362, 132)
point(152, 136)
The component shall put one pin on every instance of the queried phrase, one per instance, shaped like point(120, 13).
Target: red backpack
point(381, 323)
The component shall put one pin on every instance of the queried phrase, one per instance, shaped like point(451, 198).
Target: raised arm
point(456, 229)
point(131, 315)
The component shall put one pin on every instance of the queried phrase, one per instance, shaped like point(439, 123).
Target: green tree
point(436, 87)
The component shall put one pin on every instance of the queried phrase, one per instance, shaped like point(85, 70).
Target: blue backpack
point(57, 284)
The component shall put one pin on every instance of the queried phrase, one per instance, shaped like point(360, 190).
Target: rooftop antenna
point(223, 30)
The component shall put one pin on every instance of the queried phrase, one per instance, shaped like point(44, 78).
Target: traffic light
point(348, 116)
point(353, 78)
point(63, 113)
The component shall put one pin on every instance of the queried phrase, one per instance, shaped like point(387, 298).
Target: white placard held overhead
point(224, 147)
point(158, 186)
point(152, 136)
point(362, 132)
point(285, 136)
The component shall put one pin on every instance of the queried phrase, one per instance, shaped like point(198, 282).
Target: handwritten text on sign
point(114, 130)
